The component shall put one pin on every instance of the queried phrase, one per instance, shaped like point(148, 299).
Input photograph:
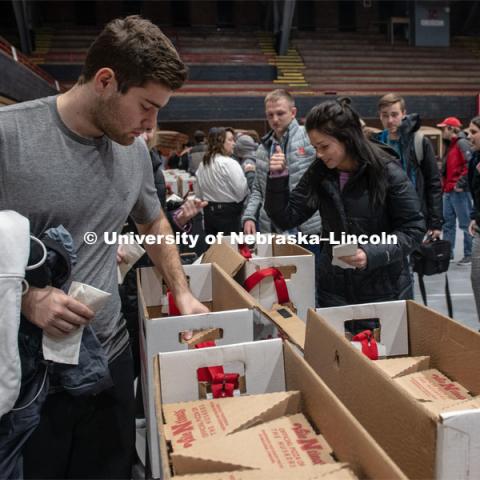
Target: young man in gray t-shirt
point(76, 160)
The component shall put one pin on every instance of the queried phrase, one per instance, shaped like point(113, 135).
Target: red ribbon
point(369, 345)
point(222, 384)
point(278, 278)
point(244, 251)
point(172, 306)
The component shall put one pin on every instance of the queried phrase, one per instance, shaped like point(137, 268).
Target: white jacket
point(14, 253)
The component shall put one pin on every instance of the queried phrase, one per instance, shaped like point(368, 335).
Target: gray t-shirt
point(54, 177)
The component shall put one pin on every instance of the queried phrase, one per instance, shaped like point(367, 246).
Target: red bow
point(369, 345)
point(245, 251)
point(222, 384)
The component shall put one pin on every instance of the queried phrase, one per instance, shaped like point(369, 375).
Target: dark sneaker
point(465, 261)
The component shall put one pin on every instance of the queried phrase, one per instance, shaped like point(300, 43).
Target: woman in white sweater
point(222, 183)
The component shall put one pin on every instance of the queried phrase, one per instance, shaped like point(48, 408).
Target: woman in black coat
point(358, 189)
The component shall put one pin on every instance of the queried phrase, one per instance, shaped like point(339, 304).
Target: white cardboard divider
point(263, 362)
point(301, 284)
point(391, 315)
point(162, 334)
point(199, 280)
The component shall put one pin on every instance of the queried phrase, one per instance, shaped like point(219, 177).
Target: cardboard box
point(270, 366)
point(289, 324)
point(208, 419)
point(296, 264)
point(171, 183)
point(286, 443)
point(186, 184)
point(424, 443)
point(232, 262)
point(398, 367)
point(393, 335)
point(431, 385)
point(233, 316)
point(336, 471)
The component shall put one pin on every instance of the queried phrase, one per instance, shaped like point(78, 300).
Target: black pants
point(222, 217)
point(89, 436)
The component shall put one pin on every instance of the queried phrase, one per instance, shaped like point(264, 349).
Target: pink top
point(343, 178)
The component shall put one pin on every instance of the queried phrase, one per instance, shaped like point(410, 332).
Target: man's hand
point(434, 234)
point(188, 304)
point(359, 260)
point(249, 227)
point(55, 312)
point(121, 257)
point(277, 160)
point(190, 209)
point(456, 189)
point(249, 168)
point(472, 228)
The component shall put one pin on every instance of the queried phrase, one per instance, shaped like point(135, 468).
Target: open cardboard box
point(336, 471)
point(295, 262)
point(270, 366)
point(392, 320)
point(235, 317)
point(424, 443)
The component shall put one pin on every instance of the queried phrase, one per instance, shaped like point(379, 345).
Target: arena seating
point(228, 64)
point(367, 64)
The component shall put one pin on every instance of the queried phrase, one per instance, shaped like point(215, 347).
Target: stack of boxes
point(419, 402)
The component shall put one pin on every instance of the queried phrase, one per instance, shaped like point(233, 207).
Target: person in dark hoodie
point(417, 157)
point(358, 189)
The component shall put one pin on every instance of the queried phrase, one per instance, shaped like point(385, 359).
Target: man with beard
point(83, 167)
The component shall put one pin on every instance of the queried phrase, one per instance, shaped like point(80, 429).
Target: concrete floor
point(464, 309)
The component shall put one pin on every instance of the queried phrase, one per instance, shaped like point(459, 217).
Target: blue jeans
point(457, 205)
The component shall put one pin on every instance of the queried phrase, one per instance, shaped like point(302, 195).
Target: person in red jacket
point(457, 202)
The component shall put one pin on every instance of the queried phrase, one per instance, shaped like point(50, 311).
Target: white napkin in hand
point(67, 349)
point(343, 250)
point(131, 253)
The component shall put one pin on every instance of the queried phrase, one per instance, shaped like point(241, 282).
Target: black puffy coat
point(428, 180)
point(387, 275)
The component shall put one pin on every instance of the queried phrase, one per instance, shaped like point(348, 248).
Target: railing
point(9, 50)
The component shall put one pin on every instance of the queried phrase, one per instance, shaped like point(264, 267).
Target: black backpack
point(431, 258)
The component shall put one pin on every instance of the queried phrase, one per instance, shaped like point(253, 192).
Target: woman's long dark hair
point(215, 140)
point(338, 119)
